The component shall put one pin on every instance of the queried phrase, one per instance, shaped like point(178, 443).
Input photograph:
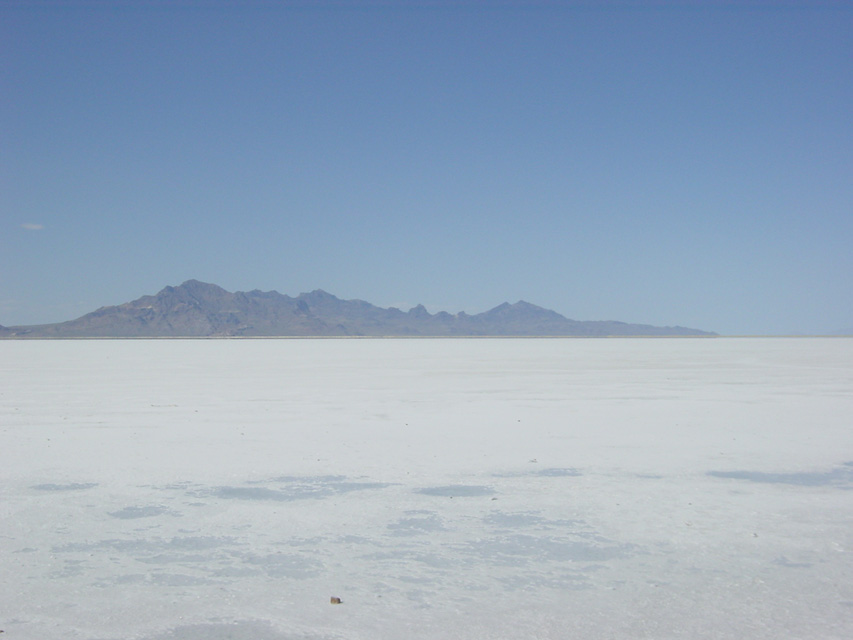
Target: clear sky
point(660, 162)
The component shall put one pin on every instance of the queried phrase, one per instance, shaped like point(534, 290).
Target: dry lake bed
point(441, 488)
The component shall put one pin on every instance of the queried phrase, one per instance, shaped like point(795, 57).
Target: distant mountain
point(198, 309)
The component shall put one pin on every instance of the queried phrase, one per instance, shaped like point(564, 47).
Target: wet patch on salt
point(68, 569)
point(178, 580)
point(550, 472)
point(211, 560)
point(131, 513)
point(260, 493)
point(295, 488)
point(841, 476)
point(143, 549)
point(404, 556)
point(782, 561)
point(522, 549)
point(557, 473)
point(523, 582)
point(513, 520)
point(503, 520)
point(174, 558)
point(73, 486)
point(240, 630)
point(230, 571)
point(327, 479)
point(284, 565)
point(126, 579)
point(457, 491)
point(416, 526)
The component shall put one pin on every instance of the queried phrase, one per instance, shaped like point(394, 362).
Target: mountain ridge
point(200, 309)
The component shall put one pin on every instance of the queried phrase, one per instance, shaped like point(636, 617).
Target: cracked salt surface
point(179, 490)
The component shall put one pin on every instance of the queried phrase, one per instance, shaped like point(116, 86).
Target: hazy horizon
point(840, 332)
point(667, 163)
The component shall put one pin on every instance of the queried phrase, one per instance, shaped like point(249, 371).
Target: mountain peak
point(520, 307)
point(198, 285)
point(318, 295)
point(419, 311)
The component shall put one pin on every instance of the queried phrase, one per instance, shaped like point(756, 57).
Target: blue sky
point(661, 162)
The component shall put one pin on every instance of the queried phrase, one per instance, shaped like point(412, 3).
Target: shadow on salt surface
point(242, 630)
point(295, 488)
point(840, 477)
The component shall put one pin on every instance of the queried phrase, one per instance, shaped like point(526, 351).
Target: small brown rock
point(335, 600)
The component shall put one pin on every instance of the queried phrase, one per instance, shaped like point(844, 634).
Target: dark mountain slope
point(198, 309)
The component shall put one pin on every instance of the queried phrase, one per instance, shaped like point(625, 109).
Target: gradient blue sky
point(661, 162)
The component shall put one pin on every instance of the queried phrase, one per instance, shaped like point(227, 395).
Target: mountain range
point(199, 309)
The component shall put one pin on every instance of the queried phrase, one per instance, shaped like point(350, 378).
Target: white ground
point(210, 489)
